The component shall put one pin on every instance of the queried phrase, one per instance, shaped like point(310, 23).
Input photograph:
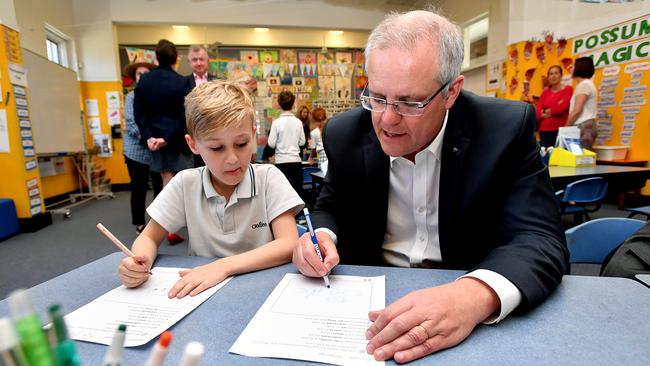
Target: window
point(60, 48)
point(475, 37)
point(53, 51)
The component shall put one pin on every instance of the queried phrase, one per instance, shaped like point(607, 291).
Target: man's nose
point(390, 115)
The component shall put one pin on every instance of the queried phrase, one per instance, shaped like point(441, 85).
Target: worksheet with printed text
point(146, 310)
point(303, 319)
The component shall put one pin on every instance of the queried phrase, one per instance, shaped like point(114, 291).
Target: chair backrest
point(593, 240)
point(588, 190)
point(301, 230)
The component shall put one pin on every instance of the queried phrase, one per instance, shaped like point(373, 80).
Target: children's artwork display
point(310, 74)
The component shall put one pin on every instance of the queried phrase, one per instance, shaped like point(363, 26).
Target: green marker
point(28, 326)
point(64, 348)
point(113, 356)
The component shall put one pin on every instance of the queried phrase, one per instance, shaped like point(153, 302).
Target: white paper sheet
point(304, 320)
point(146, 310)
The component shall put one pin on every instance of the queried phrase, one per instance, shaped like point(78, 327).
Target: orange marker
point(159, 352)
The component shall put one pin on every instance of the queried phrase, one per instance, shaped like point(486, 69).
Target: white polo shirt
point(217, 229)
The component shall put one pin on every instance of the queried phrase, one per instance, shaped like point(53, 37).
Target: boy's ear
point(191, 143)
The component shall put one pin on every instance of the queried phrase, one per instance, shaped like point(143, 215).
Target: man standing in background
point(198, 59)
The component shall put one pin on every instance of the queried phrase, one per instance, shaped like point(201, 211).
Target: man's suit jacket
point(159, 109)
point(497, 209)
point(191, 83)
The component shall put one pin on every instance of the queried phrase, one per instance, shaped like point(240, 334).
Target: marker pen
point(64, 347)
point(193, 354)
point(28, 326)
point(113, 356)
point(11, 354)
point(159, 351)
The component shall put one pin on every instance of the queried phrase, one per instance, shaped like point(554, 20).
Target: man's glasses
point(403, 108)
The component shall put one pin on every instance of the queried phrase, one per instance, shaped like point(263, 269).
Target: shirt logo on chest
point(259, 225)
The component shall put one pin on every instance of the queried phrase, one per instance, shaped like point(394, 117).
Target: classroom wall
point(21, 181)
point(32, 14)
point(147, 34)
point(96, 41)
point(304, 14)
point(475, 80)
point(114, 165)
point(8, 13)
point(567, 18)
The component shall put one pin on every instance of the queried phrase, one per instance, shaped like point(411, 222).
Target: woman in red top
point(553, 107)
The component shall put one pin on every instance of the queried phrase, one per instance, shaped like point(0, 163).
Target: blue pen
point(315, 242)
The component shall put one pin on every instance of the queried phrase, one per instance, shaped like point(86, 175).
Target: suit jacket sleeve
point(530, 249)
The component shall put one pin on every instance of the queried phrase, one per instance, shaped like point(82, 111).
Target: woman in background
point(553, 107)
point(582, 112)
point(136, 156)
point(303, 116)
point(319, 118)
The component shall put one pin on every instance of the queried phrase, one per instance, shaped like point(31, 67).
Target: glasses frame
point(396, 103)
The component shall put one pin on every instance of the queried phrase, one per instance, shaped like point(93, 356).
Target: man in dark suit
point(198, 59)
point(426, 175)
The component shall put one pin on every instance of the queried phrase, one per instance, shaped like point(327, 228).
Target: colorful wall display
point(621, 54)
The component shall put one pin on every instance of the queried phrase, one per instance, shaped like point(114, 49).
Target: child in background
point(240, 212)
point(319, 117)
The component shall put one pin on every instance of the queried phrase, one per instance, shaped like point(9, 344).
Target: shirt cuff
point(328, 232)
point(508, 293)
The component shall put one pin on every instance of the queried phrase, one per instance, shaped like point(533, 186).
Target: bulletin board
point(54, 106)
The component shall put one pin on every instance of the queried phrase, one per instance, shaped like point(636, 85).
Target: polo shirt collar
point(245, 189)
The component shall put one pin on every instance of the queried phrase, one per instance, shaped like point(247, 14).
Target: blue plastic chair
point(307, 181)
point(645, 210)
point(581, 197)
point(592, 241)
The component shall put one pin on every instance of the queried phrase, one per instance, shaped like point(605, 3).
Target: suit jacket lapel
point(377, 175)
point(455, 144)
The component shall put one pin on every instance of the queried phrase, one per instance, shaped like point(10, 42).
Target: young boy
point(240, 212)
point(286, 137)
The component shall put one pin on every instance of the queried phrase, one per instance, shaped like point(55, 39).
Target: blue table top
point(587, 321)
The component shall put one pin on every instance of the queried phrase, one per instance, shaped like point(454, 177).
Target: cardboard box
point(562, 157)
point(610, 152)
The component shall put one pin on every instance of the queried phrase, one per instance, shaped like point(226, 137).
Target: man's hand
point(306, 259)
point(429, 320)
point(198, 279)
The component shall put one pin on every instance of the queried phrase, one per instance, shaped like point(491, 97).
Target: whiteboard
point(53, 95)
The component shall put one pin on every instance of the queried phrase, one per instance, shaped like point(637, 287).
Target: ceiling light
point(336, 32)
point(261, 30)
point(180, 27)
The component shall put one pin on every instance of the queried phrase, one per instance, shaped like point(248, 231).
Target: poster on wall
point(4, 132)
point(493, 75)
point(288, 56)
point(103, 143)
point(250, 57)
point(269, 57)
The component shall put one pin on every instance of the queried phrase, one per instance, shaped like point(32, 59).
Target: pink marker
point(159, 352)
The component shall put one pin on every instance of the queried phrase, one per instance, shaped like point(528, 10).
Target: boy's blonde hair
point(217, 105)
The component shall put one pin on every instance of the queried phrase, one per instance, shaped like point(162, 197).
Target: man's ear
point(191, 143)
point(454, 91)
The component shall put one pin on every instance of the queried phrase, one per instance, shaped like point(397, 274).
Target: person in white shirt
point(319, 118)
point(582, 109)
point(239, 212)
point(428, 175)
point(286, 137)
